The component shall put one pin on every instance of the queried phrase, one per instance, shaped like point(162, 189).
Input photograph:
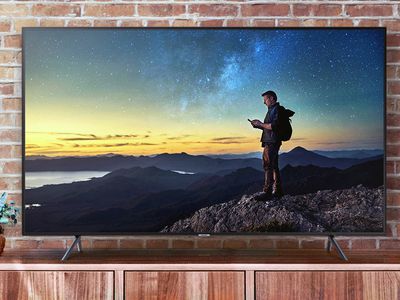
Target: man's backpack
point(284, 128)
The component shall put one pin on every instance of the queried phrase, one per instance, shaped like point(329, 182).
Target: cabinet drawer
point(328, 285)
point(56, 285)
point(184, 285)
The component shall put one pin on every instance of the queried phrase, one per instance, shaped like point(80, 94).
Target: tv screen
point(191, 130)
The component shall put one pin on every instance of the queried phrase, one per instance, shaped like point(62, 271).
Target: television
point(166, 131)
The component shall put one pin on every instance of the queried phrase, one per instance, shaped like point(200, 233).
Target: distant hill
point(300, 156)
point(176, 161)
point(362, 153)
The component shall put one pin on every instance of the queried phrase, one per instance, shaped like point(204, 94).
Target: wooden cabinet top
point(200, 260)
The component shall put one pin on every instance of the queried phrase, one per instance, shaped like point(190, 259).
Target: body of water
point(38, 179)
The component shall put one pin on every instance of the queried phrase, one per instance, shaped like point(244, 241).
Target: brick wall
point(16, 14)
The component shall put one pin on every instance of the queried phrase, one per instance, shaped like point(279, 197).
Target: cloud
point(223, 141)
point(113, 145)
point(180, 137)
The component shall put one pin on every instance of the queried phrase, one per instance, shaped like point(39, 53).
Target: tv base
point(332, 241)
point(77, 243)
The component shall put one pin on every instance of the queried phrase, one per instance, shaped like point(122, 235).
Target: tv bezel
point(205, 234)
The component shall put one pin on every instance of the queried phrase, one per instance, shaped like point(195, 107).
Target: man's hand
point(256, 124)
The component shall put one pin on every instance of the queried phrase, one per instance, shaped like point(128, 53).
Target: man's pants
point(271, 168)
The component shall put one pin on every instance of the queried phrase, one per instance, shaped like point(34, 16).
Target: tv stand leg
point(77, 243)
point(332, 241)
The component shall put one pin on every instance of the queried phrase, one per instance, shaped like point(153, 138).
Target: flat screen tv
point(185, 131)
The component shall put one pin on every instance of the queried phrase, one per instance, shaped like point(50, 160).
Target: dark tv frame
point(254, 234)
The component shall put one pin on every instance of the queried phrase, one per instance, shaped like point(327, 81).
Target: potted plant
point(8, 215)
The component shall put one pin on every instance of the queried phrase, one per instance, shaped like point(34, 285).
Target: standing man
point(271, 144)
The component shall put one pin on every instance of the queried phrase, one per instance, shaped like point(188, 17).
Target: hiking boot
point(277, 193)
point(265, 196)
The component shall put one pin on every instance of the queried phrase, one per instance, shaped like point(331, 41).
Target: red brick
point(392, 136)
point(389, 244)
point(158, 23)
point(156, 244)
point(11, 120)
point(265, 10)
point(317, 10)
point(10, 135)
point(5, 26)
point(393, 199)
point(109, 10)
point(6, 88)
point(14, 10)
point(8, 104)
point(184, 23)
point(391, 72)
point(182, 244)
point(26, 244)
point(105, 244)
point(161, 10)
point(8, 56)
point(368, 10)
point(368, 23)
point(390, 104)
point(393, 56)
point(393, 214)
point(393, 183)
point(302, 9)
point(234, 244)
point(264, 23)
point(393, 87)
point(393, 40)
point(393, 119)
point(289, 23)
point(390, 167)
point(393, 150)
point(10, 183)
point(208, 10)
point(365, 244)
point(314, 244)
point(261, 244)
point(12, 41)
point(131, 244)
point(13, 230)
point(342, 23)
point(211, 23)
point(52, 22)
point(28, 22)
point(209, 244)
point(305, 23)
point(52, 244)
point(50, 10)
point(79, 23)
point(391, 25)
point(314, 23)
point(105, 23)
point(11, 167)
point(10, 151)
point(131, 23)
point(287, 244)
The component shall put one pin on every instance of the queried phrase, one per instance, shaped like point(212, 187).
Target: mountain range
point(146, 199)
point(188, 163)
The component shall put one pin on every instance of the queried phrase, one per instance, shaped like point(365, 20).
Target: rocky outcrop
point(357, 209)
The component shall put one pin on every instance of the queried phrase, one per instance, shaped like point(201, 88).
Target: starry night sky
point(148, 91)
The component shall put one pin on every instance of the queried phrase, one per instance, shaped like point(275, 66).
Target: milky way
point(178, 81)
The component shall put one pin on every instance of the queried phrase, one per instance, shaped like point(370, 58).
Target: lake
point(38, 179)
